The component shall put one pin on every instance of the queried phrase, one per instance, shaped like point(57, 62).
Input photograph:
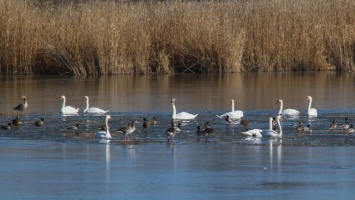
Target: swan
point(272, 133)
point(128, 129)
point(312, 112)
point(286, 111)
point(181, 115)
point(234, 114)
point(23, 105)
point(253, 133)
point(258, 132)
point(104, 134)
point(93, 110)
point(67, 110)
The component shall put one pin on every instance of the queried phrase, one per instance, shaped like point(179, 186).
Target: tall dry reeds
point(124, 37)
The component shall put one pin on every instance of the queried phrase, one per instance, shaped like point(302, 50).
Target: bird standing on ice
point(23, 106)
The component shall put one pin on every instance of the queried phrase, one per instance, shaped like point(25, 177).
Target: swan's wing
point(96, 110)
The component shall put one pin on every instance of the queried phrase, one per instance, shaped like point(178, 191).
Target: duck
point(74, 127)
point(68, 110)
point(207, 128)
point(181, 115)
point(17, 121)
point(93, 110)
point(286, 111)
point(40, 122)
point(300, 126)
point(178, 127)
point(7, 127)
point(312, 112)
point(145, 123)
point(23, 106)
point(233, 114)
point(171, 132)
point(127, 130)
point(230, 120)
point(102, 128)
point(333, 125)
point(346, 125)
point(351, 129)
point(104, 134)
point(244, 122)
point(307, 128)
point(154, 121)
point(200, 132)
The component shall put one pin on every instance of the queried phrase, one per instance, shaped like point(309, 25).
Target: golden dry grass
point(123, 37)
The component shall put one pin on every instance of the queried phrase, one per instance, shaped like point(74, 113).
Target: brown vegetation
point(124, 37)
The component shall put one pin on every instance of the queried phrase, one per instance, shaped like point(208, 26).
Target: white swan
point(286, 111)
point(258, 132)
point(105, 134)
point(270, 132)
point(67, 110)
point(253, 133)
point(93, 110)
point(312, 112)
point(181, 115)
point(234, 114)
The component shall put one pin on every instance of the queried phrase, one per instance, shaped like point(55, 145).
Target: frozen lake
point(51, 162)
point(35, 169)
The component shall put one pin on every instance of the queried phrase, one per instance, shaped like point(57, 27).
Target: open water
point(51, 162)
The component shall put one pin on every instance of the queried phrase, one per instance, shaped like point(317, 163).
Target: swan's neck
point(232, 106)
point(174, 110)
point(63, 106)
point(281, 107)
point(278, 123)
point(310, 104)
point(270, 123)
point(107, 129)
point(87, 104)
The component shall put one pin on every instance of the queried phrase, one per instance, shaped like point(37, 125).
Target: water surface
point(51, 162)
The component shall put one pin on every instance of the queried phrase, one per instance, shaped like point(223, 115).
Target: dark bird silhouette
point(7, 127)
point(75, 127)
point(40, 122)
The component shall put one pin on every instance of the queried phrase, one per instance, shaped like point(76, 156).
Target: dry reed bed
point(144, 37)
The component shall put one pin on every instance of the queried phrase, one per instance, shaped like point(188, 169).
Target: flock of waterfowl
point(232, 117)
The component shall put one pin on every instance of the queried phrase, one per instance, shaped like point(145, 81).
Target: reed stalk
point(143, 37)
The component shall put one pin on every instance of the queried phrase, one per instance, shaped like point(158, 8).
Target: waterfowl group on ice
point(232, 117)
